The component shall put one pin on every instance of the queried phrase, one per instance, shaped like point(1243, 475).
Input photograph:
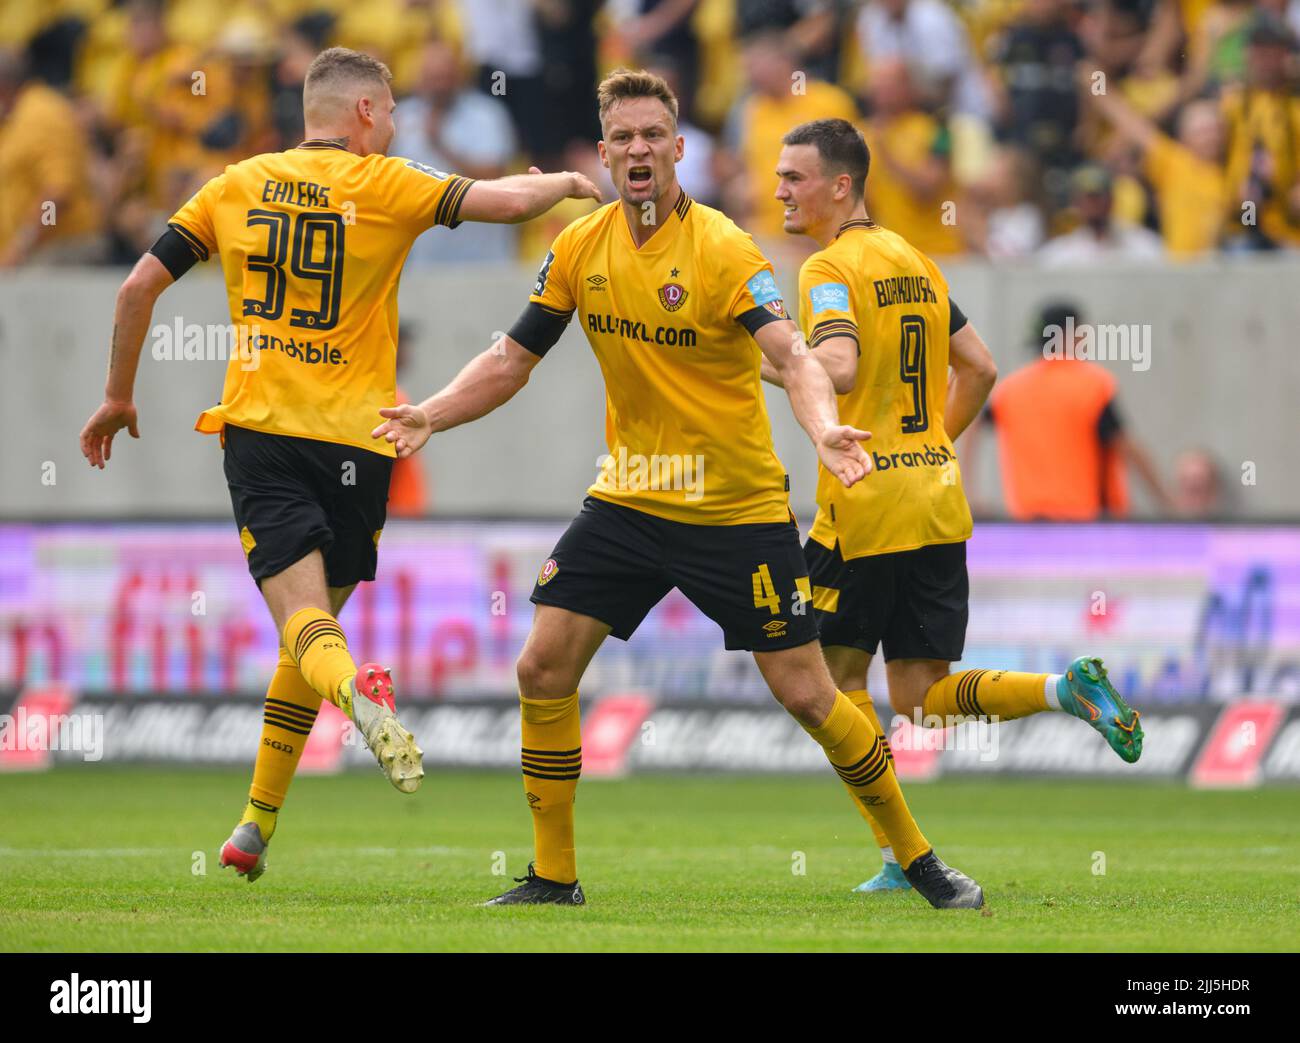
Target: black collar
point(857, 222)
point(321, 143)
point(682, 205)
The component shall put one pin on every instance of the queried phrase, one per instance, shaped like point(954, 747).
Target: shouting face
point(641, 147)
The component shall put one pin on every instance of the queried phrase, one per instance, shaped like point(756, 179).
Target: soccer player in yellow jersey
point(887, 557)
point(312, 242)
point(679, 306)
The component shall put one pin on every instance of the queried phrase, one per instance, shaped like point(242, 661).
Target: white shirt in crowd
point(1120, 243)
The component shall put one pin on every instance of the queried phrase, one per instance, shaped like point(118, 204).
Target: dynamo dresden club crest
point(672, 295)
point(548, 572)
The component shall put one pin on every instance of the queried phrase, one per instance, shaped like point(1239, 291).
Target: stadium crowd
point(1075, 131)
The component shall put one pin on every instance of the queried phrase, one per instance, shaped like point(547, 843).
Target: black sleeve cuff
point(758, 317)
point(824, 331)
point(538, 328)
point(178, 250)
point(448, 211)
point(956, 318)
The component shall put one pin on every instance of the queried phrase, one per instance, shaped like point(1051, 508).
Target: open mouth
point(639, 176)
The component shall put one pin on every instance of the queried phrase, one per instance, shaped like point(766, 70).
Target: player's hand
point(842, 454)
point(97, 435)
point(582, 188)
point(406, 427)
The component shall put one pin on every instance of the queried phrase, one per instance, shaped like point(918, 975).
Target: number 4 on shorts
point(765, 595)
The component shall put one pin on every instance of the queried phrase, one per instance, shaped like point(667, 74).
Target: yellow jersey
point(871, 284)
point(685, 419)
point(1263, 159)
point(312, 242)
point(1191, 197)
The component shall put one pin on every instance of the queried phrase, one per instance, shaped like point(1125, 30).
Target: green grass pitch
point(96, 859)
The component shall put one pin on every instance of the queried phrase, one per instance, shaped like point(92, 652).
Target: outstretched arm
point(837, 355)
point(1136, 456)
point(131, 318)
point(812, 398)
point(489, 380)
point(1130, 123)
point(521, 197)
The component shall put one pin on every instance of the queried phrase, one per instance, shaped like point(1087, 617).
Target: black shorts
point(295, 495)
point(915, 602)
point(615, 564)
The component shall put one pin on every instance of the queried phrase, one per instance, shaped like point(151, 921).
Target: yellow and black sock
point(1004, 694)
point(859, 757)
point(290, 711)
point(551, 759)
point(861, 698)
point(317, 645)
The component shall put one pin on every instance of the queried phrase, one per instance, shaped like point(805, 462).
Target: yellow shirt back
point(685, 420)
point(871, 283)
point(312, 242)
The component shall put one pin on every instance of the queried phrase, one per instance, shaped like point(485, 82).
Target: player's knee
point(541, 676)
point(805, 705)
point(905, 701)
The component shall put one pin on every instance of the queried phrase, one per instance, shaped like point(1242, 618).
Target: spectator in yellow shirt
point(48, 208)
point(780, 97)
point(910, 190)
point(1263, 149)
point(1187, 174)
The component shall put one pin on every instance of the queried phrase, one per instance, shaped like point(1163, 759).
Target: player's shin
point(316, 643)
point(989, 694)
point(859, 756)
point(551, 760)
point(290, 712)
point(862, 700)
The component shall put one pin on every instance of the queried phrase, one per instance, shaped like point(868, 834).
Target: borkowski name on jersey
point(872, 285)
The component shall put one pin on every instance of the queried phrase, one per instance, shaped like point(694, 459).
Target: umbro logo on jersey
point(596, 282)
point(672, 295)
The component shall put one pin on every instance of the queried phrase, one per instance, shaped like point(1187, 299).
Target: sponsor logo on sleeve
point(539, 287)
point(762, 287)
point(424, 168)
point(830, 296)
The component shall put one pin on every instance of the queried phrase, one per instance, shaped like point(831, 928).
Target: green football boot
point(1084, 692)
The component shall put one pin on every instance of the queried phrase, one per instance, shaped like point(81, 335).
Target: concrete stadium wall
point(1223, 375)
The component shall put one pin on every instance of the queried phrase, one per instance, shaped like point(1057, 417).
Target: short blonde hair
point(338, 68)
point(625, 84)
